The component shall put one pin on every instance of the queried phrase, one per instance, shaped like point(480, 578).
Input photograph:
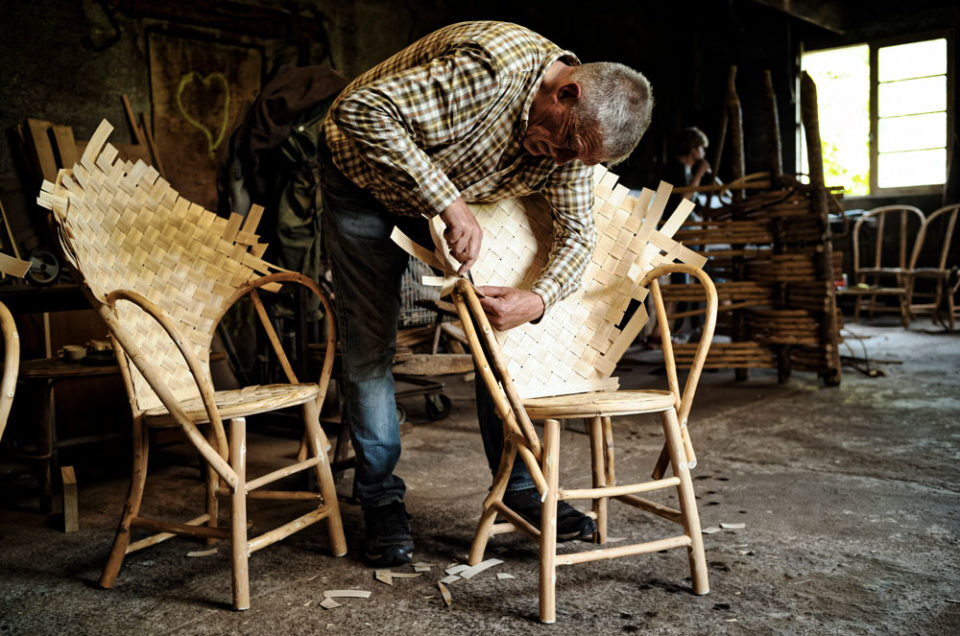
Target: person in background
point(687, 166)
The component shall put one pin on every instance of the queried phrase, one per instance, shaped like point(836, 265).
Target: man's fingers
point(465, 267)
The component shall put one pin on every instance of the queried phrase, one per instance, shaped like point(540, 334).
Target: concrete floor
point(849, 498)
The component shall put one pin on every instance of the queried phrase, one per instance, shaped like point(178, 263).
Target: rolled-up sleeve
point(390, 120)
point(569, 190)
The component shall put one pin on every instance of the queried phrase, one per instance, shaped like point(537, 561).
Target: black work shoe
point(571, 523)
point(387, 530)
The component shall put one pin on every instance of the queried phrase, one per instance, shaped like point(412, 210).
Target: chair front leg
point(131, 508)
point(213, 484)
point(489, 515)
point(548, 522)
point(688, 502)
point(239, 550)
point(317, 441)
point(937, 297)
point(600, 472)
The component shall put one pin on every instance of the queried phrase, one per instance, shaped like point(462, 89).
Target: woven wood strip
point(123, 227)
point(577, 344)
point(247, 401)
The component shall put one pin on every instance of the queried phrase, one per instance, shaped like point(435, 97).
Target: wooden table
point(49, 372)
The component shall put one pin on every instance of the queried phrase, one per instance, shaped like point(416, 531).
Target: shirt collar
point(567, 57)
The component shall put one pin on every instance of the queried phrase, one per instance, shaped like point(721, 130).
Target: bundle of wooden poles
point(770, 252)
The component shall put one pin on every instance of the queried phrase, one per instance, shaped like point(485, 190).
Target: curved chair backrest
point(944, 218)
point(896, 218)
point(11, 364)
point(124, 228)
point(577, 344)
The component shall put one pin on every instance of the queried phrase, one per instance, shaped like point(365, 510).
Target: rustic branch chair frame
point(542, 457)
point(939, 273)
point(161, 314)
point(11, 364)
point(872, 271)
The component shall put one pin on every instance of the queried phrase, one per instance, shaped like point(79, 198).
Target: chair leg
point(599, 464)
point(548, 524)
point(951, 311)
point(608, 443)
point(318, 443)
point(688, 502)
point(489, 514)
point(141, 450)
point(213, 482)
point(239, 550)
point(937, 297)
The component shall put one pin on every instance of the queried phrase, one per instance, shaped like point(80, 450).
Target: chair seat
point(238, 403)
point(599, 404)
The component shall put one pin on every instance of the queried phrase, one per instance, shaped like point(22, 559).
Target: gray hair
point(617, 102)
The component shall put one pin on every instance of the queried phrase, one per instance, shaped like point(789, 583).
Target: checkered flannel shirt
point(446, 117)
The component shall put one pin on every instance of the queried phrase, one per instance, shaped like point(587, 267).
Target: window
point(884, 115)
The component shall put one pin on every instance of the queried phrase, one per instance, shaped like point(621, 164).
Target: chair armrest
point(153, 375)
point(251, 288)
point(706, 338)
point(11, 364)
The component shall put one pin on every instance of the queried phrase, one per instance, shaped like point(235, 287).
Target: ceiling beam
point(826, 14)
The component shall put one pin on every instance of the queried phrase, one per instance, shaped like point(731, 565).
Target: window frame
point(875, 46)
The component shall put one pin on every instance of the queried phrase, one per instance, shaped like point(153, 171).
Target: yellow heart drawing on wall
point(208, 81)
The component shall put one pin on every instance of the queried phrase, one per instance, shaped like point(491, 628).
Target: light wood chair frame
point(874, 272)
point(940, 274)
point(162, 272)
point(225, 455)
point(11, 364)
point(597, 408)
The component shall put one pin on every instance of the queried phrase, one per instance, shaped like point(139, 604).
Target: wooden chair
point(162, 272)
point(937, 231)
point(11, 364)
point(883, 274)
point(562, 367)
point(597, 408)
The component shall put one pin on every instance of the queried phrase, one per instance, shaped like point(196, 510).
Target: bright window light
point(912, 114)
point(842, 77)
point(910, 144)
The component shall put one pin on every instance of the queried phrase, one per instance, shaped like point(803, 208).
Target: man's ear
point(569, 90)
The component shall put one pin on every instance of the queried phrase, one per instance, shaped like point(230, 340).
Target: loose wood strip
point(71, 518)
point(474, 570)
point(346, 594)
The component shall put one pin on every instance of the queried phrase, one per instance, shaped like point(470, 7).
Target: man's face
point(552, 132)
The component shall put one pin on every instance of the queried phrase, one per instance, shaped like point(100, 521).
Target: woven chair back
point(123, 227)
point(577, 344)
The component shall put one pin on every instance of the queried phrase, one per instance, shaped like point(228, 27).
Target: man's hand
point(699, 169)
point(463, 234)
point(509, 307)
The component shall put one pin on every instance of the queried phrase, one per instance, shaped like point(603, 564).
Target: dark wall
point(50, 68)
point(685, 49)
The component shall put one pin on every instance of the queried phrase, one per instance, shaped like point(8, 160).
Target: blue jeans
point(367, 269)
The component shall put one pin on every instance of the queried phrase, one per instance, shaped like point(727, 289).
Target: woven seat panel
point(600, 404)
point(577, 344)
point(240, 402)
point(123, 227)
